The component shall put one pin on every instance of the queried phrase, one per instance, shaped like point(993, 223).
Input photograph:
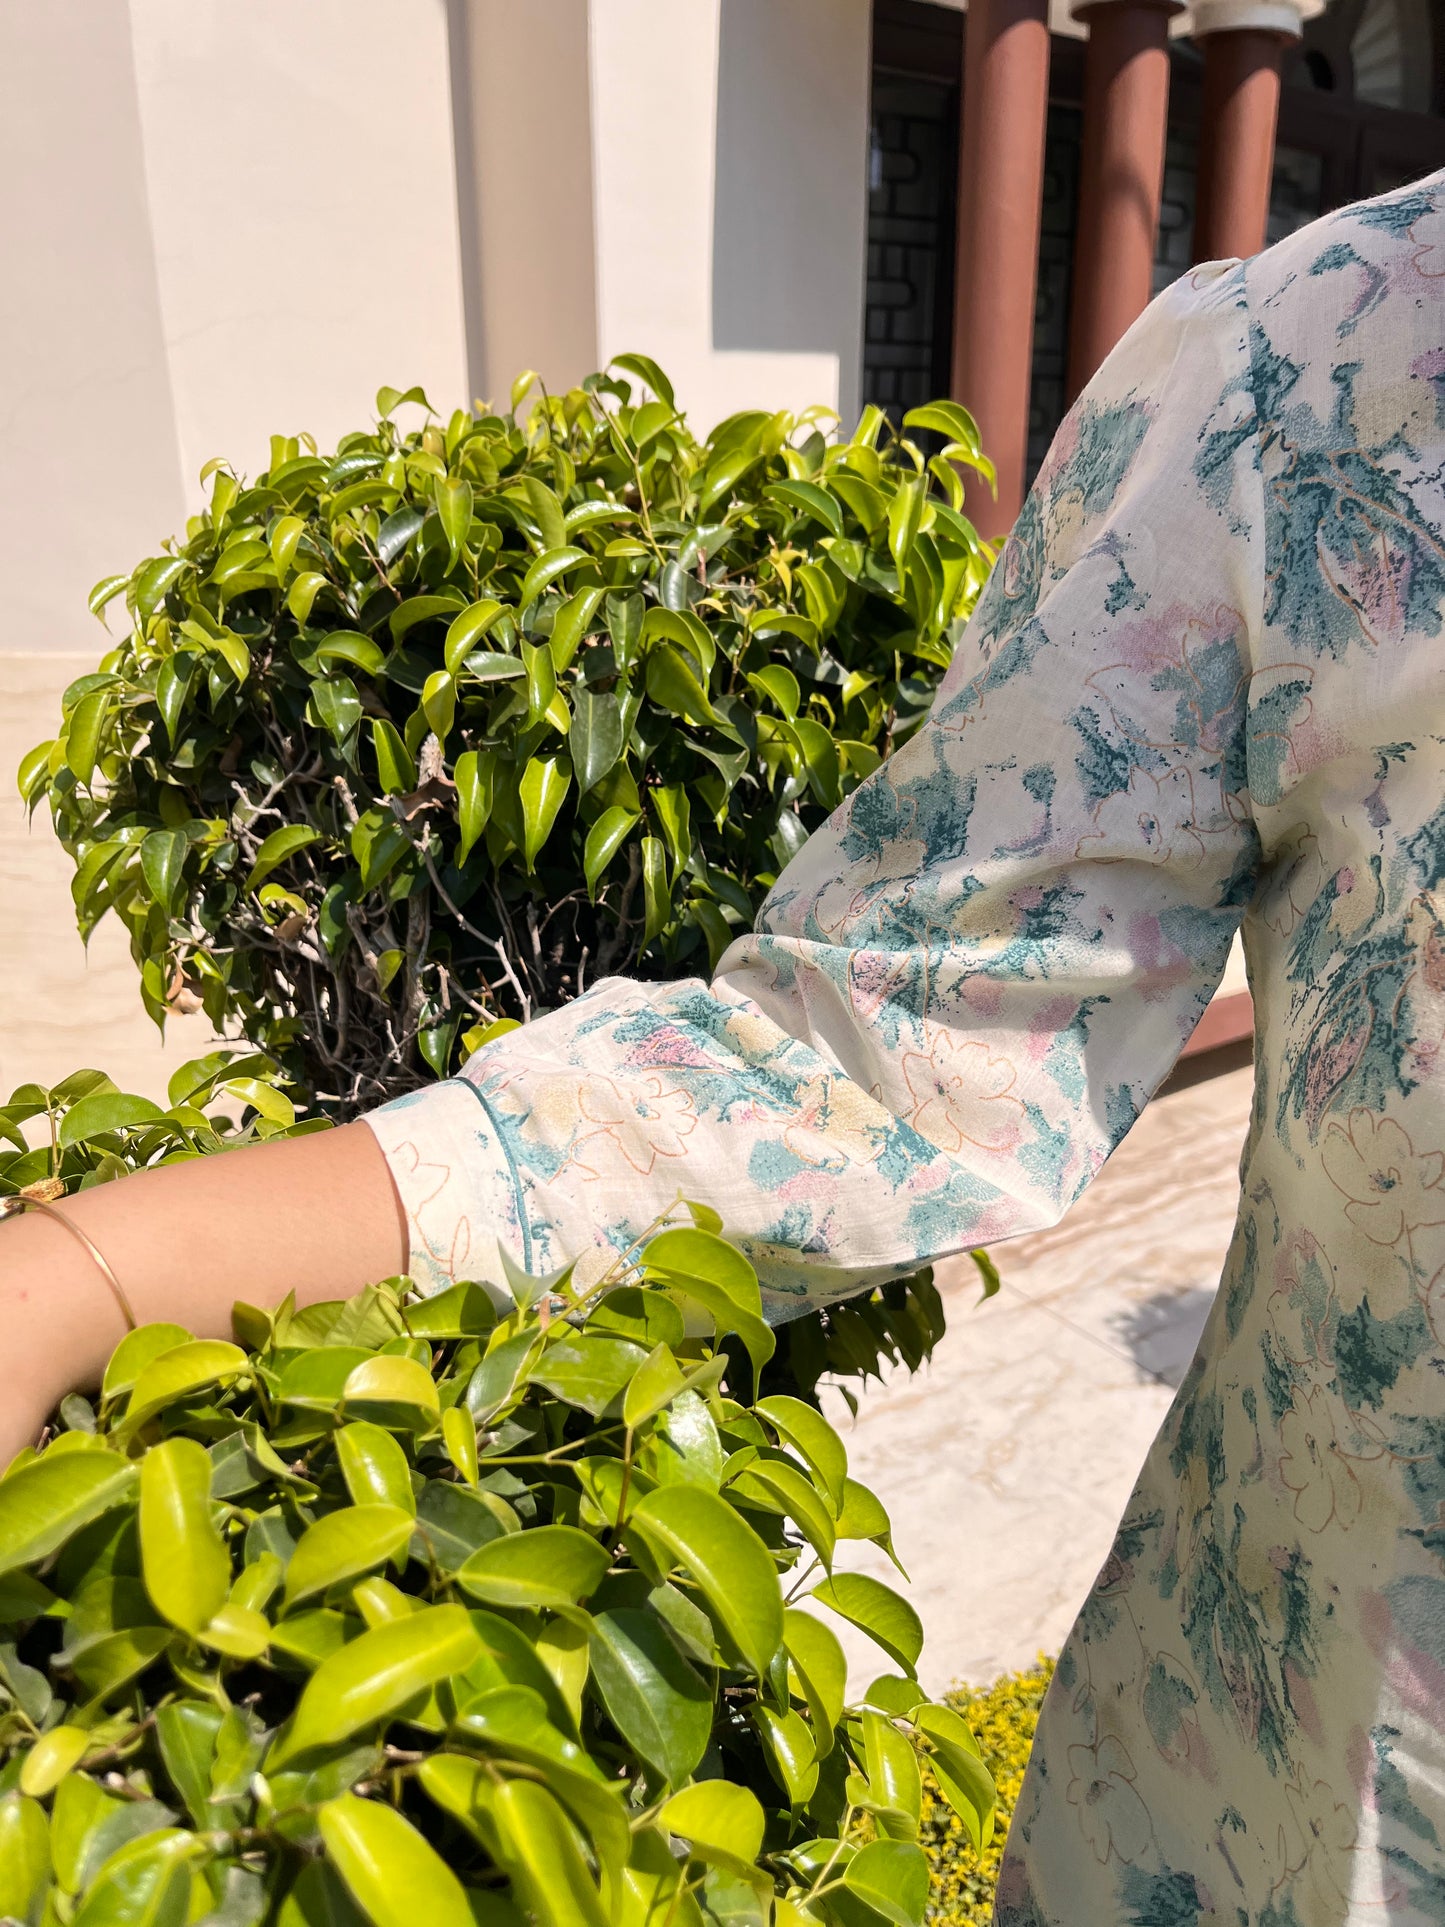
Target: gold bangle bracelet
point(12, 1207)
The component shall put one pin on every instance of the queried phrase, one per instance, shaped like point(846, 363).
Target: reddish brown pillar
point(1000, 195)
point(1236, 145)
point(1126, 112)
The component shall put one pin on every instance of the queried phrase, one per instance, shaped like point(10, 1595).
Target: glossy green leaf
point(439, 702)
point(888, 1620)
point(987, 1271)
point(895, 1782)
point(891, 1877)
point(946, 418)
point(595, 741)
point(391, 1872)
point(467, 629)
point(474, 778)
point(734, 1570)
point(454, 506)
point(788, 1742)
point(604, 840)
point(548, 568)
point(182, 1370)
point(590, 1370)
point(818, 1661)
point(24, 1855)
point(575, 616)
point(58, 1750)
point(540, 1851)
point(672, 683)
point(183, 1558)
point(146, 1884)
point(105, 1111)
point(780, 685)
point(783, 1488)
point(656, 897)
point(646, 369)
point(83, 734)
point(719, 1821)
point(186, 1731)
point(966, 1782)
point(718, 1277)
point(553, 1566)
point(542, 792)
point(392, 1382)
point(656, 1699)
point(373, 1676)
point(905, 512)
point(811, 500)
point(804, 1428)
point(278, 848)
point(395, 765)
point(374, 1466)
point(655, 1384)
point(163, 862)
point(343, 1545)
point(44, 1503)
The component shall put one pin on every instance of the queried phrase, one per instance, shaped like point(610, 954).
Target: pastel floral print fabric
point(1205, 684)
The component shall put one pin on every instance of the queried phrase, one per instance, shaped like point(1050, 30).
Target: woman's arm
point(962, 991)
point(314, 1215)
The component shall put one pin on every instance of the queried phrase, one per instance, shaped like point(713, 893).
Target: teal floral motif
point(1204, 690)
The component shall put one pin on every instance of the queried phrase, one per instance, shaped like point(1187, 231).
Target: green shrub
point(400, 1609)
point(432, 731)
point(90, 1131)
point(1003, 1718)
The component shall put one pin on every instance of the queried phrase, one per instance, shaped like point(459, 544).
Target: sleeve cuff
point(458, 1190)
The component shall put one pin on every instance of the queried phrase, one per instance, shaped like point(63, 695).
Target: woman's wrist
point(59, 1321)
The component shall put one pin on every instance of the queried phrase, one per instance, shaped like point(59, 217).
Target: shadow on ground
point(1161, 1333)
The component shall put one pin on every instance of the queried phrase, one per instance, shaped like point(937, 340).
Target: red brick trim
point(1227, 1020)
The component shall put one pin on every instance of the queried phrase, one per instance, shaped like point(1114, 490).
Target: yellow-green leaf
point(343, 1545)
point(391, 1872)
point(184, 1561)
point(373, 1675)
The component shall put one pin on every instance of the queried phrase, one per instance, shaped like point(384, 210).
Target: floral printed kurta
point(1205, 684)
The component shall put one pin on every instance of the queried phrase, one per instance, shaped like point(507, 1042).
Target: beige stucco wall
point(299, 175)
point(215, 222)
point(730, 164)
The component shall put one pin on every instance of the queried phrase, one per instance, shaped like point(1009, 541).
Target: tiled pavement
point(1007, 1461)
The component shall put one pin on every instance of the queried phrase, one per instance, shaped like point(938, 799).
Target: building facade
point(1137, 137)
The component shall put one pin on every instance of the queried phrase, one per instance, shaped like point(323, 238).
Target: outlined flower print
point(1112, 1817)
point(1391, 1187)
point(646, 1119)
point(1296, 878)
point(1312, 1467)
point(1329, 1832)
point(962, 1095)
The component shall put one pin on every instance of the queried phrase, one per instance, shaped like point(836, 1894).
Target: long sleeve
point(962, 991)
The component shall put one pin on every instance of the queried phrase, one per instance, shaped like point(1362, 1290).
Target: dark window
point(1359, 114)
point(912, 165)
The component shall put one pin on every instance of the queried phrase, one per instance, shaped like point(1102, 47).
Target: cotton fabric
point(1205, 684)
